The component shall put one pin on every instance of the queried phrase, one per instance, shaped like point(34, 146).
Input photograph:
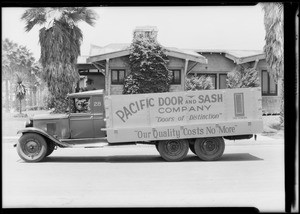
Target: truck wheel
point(209, 149)
point(192, 146)
point(50, 148)
point(32, 147)
point(173, 150)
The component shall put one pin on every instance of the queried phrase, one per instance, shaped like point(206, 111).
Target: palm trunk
point(11, 97)
point(20, 106)
point(31, 97)
point(6, 95)
point(34, 101)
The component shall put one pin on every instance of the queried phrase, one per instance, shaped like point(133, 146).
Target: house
point(106, 67)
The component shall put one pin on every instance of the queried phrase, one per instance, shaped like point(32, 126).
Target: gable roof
point(237, 56)
point(114, 50)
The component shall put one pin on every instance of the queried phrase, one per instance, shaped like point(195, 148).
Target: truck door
point(98, 116)
point(81, 118)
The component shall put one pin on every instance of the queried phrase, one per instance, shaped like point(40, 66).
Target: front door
point(98, 109)
point(81, 119)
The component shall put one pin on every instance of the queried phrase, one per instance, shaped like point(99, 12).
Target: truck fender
point(43, 133)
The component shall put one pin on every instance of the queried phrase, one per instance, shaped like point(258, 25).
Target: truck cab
point(80, 125)
point(86, 115)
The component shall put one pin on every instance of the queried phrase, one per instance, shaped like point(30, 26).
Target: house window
point(222, 81)
point(117, 76)
point(268, 85)
point(175, 76)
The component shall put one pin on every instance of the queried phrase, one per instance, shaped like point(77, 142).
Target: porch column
point(184, 73)
point(255, 65)
point(107, 78)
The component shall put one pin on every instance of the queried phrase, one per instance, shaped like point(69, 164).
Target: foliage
point(60, 39)
point(18, 60)
point(273, 20)
point(148, 64)
point(15, 59)
point(20, 90)
point(195, 83)
point(243, 76)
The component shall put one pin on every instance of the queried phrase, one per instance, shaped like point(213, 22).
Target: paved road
point(248, 174)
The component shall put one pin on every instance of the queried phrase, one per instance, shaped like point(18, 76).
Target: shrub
point(148, 65)
point(199, 83)
point(242, 77)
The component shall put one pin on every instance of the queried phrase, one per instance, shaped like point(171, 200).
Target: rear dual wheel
point(173, 150)
point(209, 149)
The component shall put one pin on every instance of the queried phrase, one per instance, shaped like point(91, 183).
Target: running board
point(85, 142)
point(90, 145)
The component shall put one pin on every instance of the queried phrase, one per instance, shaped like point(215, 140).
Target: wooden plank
point(184, 74)
point(186, 56)
point(107, 78)
point(108, 56)
point(191, 67)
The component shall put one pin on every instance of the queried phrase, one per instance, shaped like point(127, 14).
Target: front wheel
point(173, 150)
point(209, 149)
point(32, 147)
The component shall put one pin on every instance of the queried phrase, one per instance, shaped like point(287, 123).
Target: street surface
point(249, 174)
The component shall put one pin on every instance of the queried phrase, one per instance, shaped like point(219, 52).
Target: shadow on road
point(239, 157)
point(143, 158)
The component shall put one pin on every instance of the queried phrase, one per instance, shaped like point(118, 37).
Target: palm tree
point(273, 20)
point(20, 91)
point(60, 39)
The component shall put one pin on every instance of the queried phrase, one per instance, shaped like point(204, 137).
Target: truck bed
point(183, 115)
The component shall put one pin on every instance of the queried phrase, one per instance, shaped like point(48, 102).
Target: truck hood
point(50, 116)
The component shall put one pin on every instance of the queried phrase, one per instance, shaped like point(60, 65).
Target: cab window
point(80, 105)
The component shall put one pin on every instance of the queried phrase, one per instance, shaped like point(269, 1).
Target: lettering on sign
point(180, 106)
point(97, 103)
point(185, 132)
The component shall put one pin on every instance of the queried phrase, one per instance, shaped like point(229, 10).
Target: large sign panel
point(152, 116)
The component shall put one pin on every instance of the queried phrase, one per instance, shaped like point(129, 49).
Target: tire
point(51, 147)
point(209, 149)
point(173, 150)
point(32, 147)
point(191, 145)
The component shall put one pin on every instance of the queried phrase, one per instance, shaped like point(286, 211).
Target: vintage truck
point(174, 122)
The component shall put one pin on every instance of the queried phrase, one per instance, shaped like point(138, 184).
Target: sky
point(196, 27)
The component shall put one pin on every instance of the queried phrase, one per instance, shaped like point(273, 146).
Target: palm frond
point(76, 14)
point(34, 16)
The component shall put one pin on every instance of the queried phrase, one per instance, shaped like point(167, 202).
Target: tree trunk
point(20, 106)
point(6, 95)
point(282, 104)
point(12, 102)
point(34, 101)
point(30, 97)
